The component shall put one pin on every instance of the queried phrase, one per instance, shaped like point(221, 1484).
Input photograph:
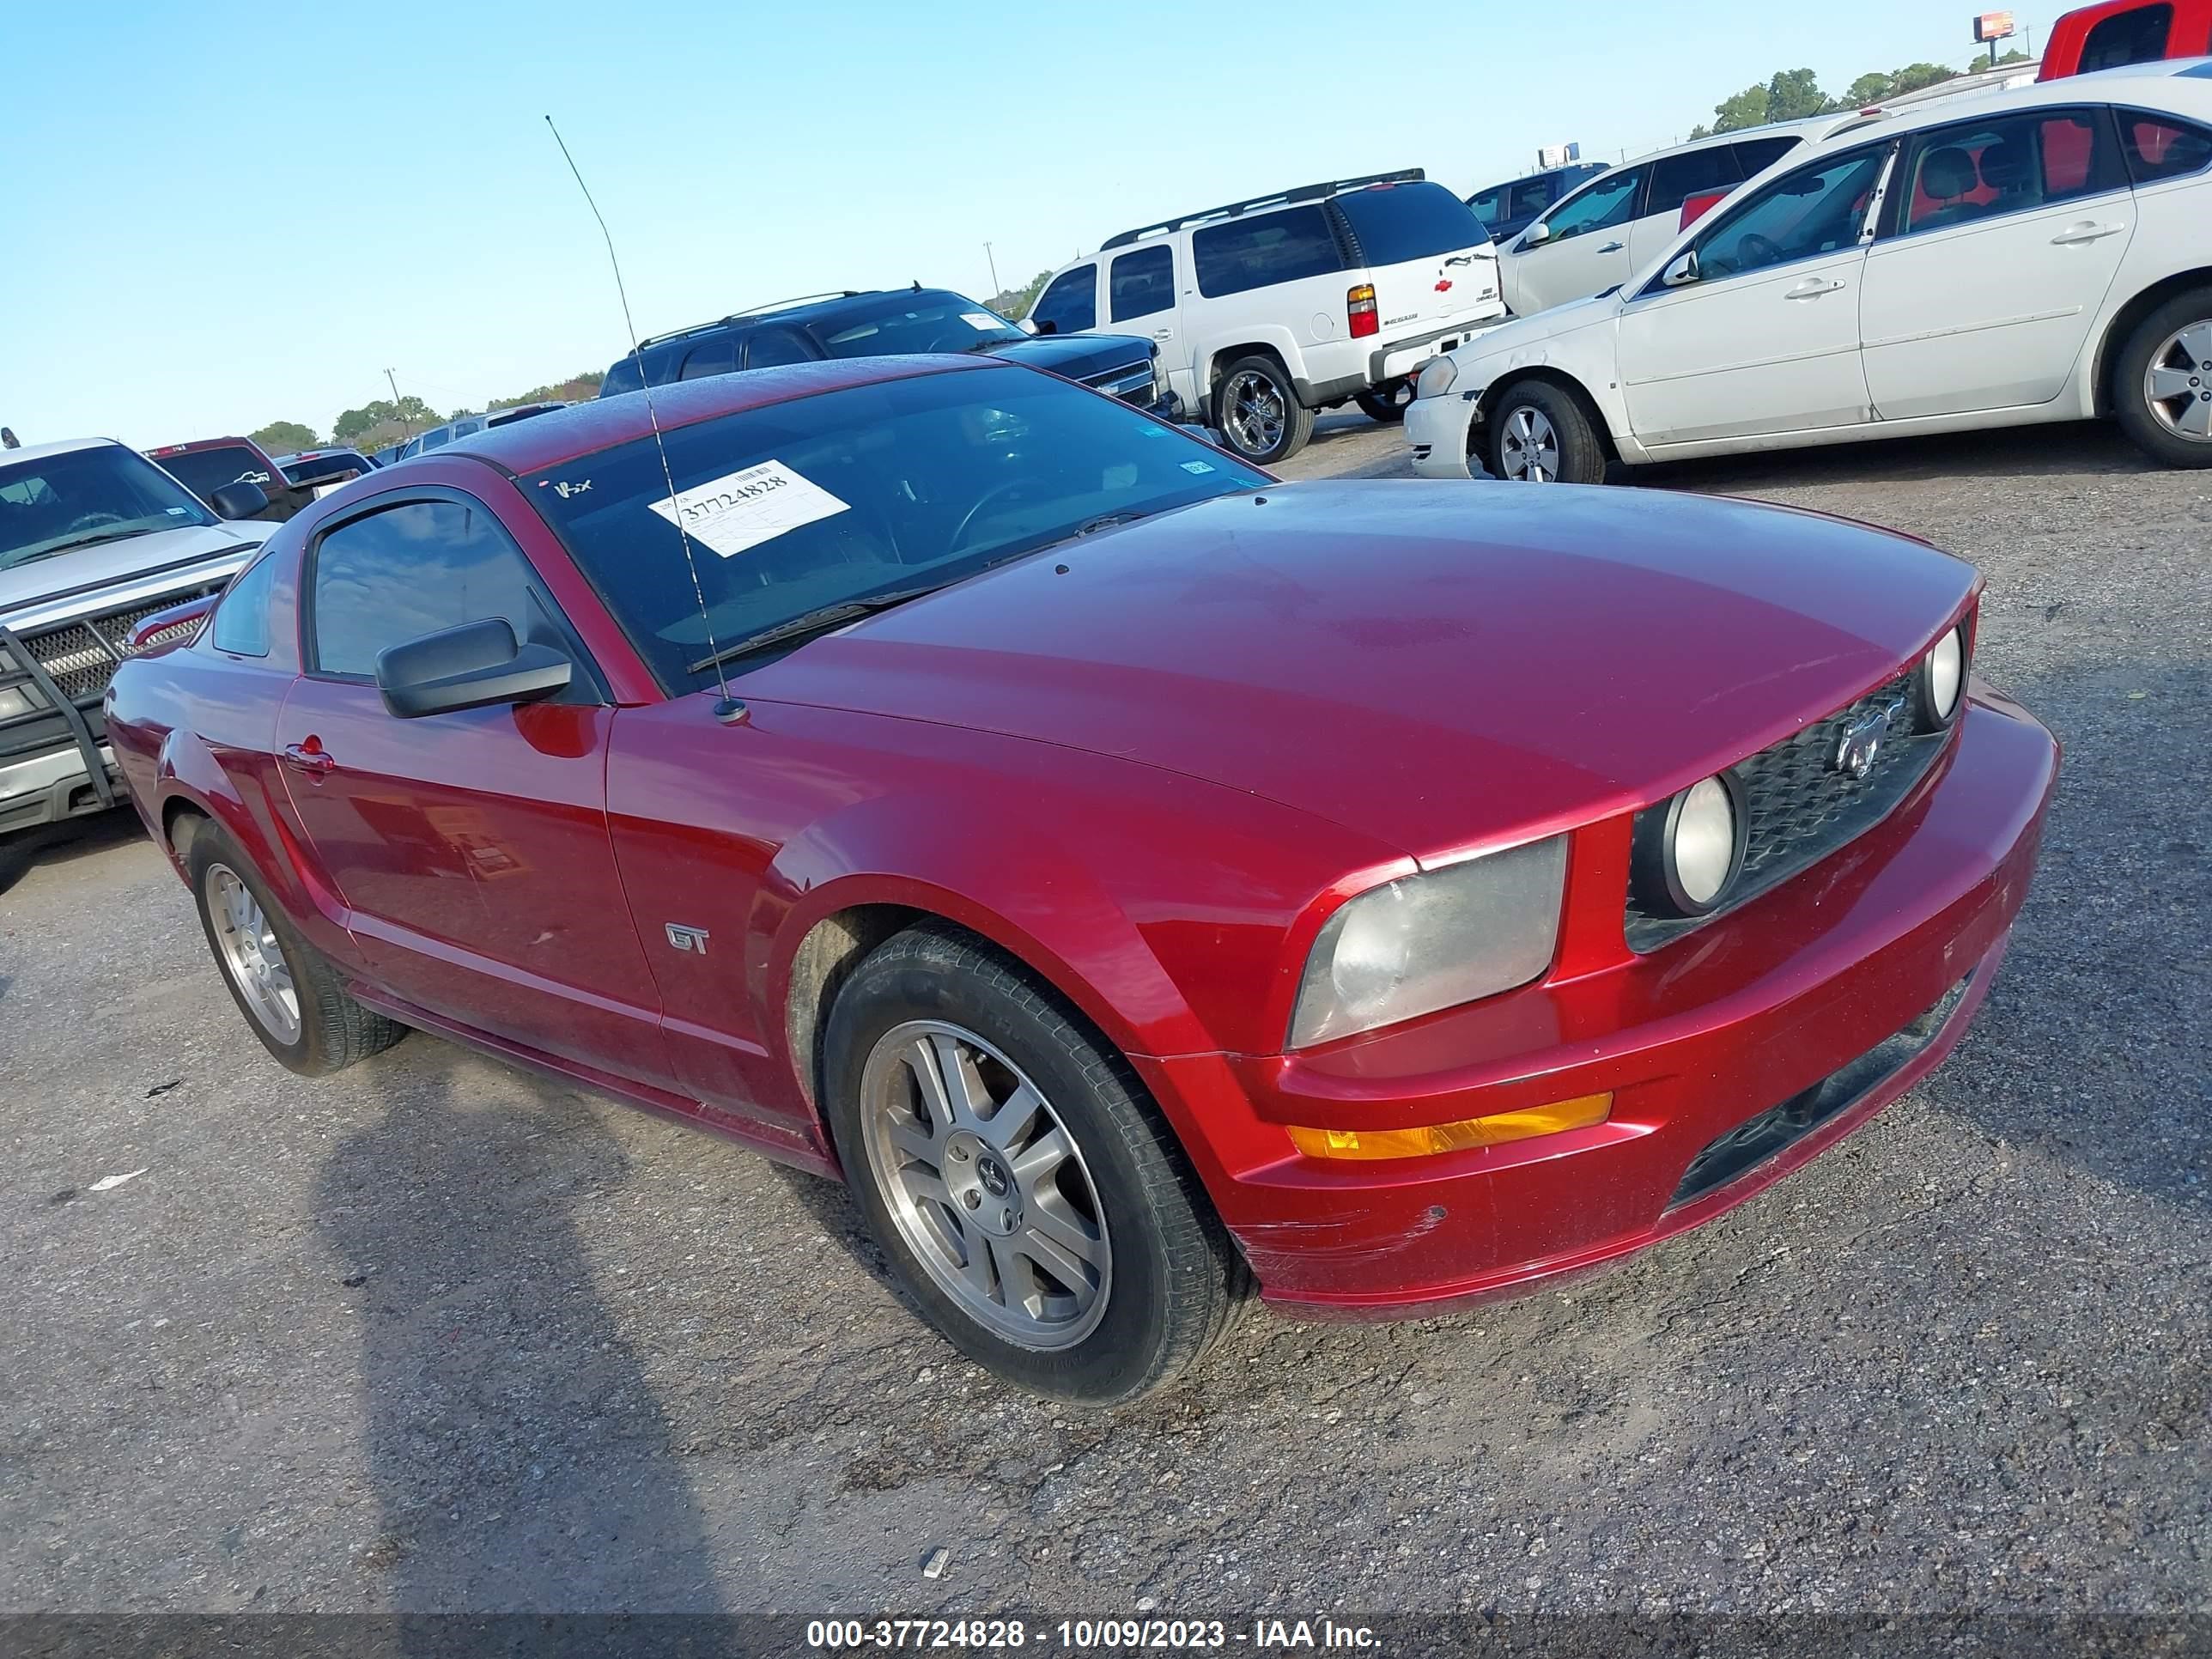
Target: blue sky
point(219, 215)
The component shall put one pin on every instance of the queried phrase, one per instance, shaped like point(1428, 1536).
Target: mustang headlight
point(1939, 681)
point(1688, 850)
point(1432, 940)
point(1435, 378)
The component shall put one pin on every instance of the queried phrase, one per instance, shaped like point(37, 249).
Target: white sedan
point(2038, 254)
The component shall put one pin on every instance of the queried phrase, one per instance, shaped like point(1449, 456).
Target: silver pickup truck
point(94, 540)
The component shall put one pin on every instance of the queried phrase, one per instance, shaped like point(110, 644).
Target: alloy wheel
point(986, 1185)
point(1252, 412)
point(1528, 449)
point(2178, 385)
point(252, 955)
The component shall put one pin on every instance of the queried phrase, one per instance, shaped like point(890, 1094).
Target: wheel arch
point(1218, 358)
point(1549, 374)
point(2124, 323)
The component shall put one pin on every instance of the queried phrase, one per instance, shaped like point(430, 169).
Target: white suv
point(1265, 311)
point(1596, 238)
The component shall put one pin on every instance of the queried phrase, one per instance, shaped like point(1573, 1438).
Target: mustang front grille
point(1800, 804)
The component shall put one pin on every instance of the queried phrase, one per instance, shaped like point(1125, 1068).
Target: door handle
point(1812, 288)
point(309, 757)
point(1611, 247)
point(2088, 231)
point(1163, 334)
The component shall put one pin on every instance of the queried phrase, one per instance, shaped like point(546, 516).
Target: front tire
point(1540, 434)
point(1257, 412)
point(2162, 384)
point(287, 990)
point(1387, 403)
point(1017, 1178)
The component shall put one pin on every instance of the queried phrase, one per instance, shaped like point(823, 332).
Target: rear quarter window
point(241, 616)
point(1393, 224)
point(2158, 147)
point(624, 376)
point(1267, 248)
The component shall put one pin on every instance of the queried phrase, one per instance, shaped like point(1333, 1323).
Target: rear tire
point(289, 993)
point(1257, 412)
point(1042, 1215)
point(1388, 403)
point(1540, 434)
point(2162, 384)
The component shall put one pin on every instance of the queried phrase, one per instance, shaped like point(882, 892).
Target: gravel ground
point(438, 1335)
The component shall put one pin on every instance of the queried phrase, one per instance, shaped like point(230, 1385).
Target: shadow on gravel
point(2093, 1041)
point(65, 843)
point(518, 1452)
point(2017, 453)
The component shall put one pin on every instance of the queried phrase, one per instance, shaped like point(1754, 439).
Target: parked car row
point(2021, 256)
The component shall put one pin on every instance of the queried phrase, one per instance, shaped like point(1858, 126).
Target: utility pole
point(995, 289)
point(406, 426)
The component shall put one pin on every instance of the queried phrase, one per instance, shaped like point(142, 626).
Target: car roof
point(806, 307)
point(598, 423)
point(2158, 85)
point(59, 447)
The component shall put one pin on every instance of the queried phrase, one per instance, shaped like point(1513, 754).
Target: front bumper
point(1734, 1056)
point(50, 788)
point(1436, 430)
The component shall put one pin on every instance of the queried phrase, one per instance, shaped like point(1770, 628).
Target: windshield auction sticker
point(741, 510)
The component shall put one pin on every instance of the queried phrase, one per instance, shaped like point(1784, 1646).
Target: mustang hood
point(1438, 665)
point(222, 546)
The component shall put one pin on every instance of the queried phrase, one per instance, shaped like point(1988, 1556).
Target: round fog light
point(1688, 851)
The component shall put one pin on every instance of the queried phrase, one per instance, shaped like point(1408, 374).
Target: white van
point(1267, 310)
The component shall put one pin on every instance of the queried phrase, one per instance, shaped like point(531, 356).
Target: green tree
point(410, 412)
point(1913, 76)
point(1013, 303)
point(577, 388)
point(1746, 109)
point(1794, 94)
point(282, 437)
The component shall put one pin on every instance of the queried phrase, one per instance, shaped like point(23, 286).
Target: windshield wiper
point(93, 540)
point(816, 621)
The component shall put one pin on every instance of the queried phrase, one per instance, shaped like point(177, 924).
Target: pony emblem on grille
point(1860, 746)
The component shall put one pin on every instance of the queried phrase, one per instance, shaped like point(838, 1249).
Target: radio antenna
point(728, 710)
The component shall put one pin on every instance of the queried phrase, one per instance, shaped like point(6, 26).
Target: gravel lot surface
point(435, 1335)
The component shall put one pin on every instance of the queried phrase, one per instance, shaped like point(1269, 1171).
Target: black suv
point(890, 323)
point(1509, 208)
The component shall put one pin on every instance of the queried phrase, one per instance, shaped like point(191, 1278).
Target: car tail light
point(1695, 208)
point(1359, 312)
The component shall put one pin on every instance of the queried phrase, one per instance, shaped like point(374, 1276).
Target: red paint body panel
point(1150, 766)
point(2188, 32)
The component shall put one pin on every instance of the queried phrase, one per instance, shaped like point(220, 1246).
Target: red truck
point(2118, 32)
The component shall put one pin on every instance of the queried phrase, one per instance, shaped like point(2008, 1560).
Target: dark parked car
point(1135, 876)
point(893, 322)
point(1509, 208)
point(207, 464)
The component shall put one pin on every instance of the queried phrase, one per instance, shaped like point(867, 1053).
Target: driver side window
point(396, 575)
point(1611, 201)
point(1818, 209)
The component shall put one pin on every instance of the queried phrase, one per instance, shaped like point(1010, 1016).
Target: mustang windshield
point(803, 506)
point(82, 497)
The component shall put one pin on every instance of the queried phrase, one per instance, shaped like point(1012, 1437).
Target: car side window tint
point(1263, 250)
point(410, 570)
point(1675, 178)
point(1816, 210)
point(241, 616)
point(2011, 164)
point(769, 348)
point(2158, 147)
point(1608, 202)
point(1071, 303)
point(1532, 196)
point(1489, 206)
point(624, 376)
point(716, 356)
point(2136, 36)
point(1139, 283)
point(1755, 155)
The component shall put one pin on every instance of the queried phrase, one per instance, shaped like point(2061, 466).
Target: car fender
point(1575, 356)
point(1223, 347)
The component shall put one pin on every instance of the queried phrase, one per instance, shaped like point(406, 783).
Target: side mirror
point(1682, 271)
point(1028, 326)
point(240, 501)
point(1047, 326)
point(1535, 236)
point(470, 666)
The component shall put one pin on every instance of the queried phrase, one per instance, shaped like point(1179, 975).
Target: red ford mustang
point(1135, 876)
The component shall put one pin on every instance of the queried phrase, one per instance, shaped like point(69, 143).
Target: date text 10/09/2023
point(1090, 1635)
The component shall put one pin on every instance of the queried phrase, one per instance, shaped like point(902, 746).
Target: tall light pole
point(995, 289)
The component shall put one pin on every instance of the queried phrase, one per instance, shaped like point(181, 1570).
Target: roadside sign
point(1992, 26)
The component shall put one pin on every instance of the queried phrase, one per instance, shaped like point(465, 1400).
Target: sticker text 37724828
point(741, 510)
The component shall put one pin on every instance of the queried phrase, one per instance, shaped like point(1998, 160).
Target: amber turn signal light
point(1432, 1138)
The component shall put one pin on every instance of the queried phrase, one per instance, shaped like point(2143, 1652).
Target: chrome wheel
point(985, 1185)
point(250, 954)
point(1252, 412)
point(2178, 385)
point(1528, 449)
